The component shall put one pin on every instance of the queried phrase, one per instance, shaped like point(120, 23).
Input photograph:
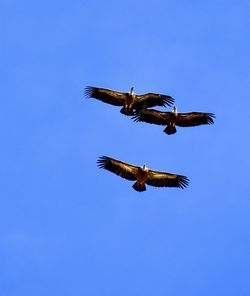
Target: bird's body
point(129, 101)
point(173, 119)
point(142, 175)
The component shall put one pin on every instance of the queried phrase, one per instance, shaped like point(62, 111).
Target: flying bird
point(128, 101)
point(142, 175)
point(172, 119)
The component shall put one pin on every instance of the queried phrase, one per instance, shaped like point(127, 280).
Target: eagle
point(172, 119)
point(142, 175)
point(128, 101)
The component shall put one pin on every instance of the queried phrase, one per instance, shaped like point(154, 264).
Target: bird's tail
point(170, 130)
point(126, 111)
point(139, 187)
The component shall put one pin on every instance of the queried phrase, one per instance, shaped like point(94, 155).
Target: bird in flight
point(173, 119)
point(142, 175)
point(129, 101)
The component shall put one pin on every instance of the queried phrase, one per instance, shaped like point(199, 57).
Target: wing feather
point(153, 116)
point(151, 99)
point(163, 179)
point(122, 169)
point(194, 119)
point(105, 95)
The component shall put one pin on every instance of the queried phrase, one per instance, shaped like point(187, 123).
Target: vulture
point(142, 175)
point(172, 119)
point(128, 101)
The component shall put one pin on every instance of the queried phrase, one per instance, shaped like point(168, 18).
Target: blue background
point(68, 228)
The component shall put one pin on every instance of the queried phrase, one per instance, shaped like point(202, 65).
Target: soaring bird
point(128, 101)
point(142, 175)
point(172, 119)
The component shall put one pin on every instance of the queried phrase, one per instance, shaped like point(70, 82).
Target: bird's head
point(144, 168)
point(174, 110)
point(132, 90)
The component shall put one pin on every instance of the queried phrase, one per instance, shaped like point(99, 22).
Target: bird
point(141, 174)
point(128, 101)
point(173, 118)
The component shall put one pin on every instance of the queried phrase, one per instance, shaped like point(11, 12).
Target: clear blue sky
point(68, 228)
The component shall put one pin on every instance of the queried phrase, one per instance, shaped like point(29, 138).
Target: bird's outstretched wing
point(163, 179)
point(153, 116)
point(151, 99)
point(106, 95)
point(194, 119)
point(122, 169)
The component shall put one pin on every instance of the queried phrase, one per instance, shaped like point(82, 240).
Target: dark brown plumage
point(129, 101)
point(172, 119)
point(142, 175)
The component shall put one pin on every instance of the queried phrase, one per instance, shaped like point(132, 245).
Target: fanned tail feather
point(127, 112)
point(139, 188)
point(170, 130)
